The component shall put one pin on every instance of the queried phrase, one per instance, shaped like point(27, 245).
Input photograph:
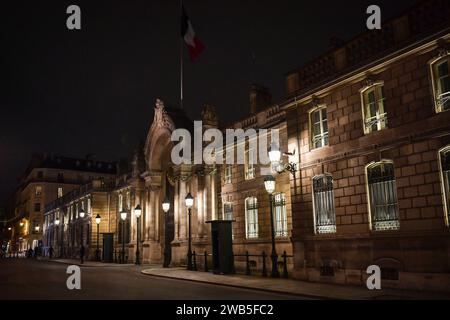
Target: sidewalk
point(86, 263)
point(289, 286)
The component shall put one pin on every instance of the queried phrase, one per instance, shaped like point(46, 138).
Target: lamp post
point(81, 214)
point(98, 219)
point(189, 203)
point(166, 208)
point(137, 213)
point(123, 217)
point(269, 184)
point(57, 232)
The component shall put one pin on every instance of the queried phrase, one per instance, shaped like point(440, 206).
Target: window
point(60, 177)
point(249, 164)
point(382, 195)
point(251, 218)
point(120, 202)
point(37, 207)
point(40, 174)
point(124, 225)
point(319, 127)
point(60, 192)
point(374, 115)
point(228, 210)
point(38, 191)
point(323, 200)
point(441, 83)
point(280, 216)
point(89, 205)
point(227, 173)
point(444, 156)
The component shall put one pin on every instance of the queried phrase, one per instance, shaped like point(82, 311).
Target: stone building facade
point(371, 122)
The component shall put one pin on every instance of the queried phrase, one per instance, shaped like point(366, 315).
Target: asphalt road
point(31, 279)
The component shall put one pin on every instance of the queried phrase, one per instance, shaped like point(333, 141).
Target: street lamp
point(81, 214)
point(98, 219)
point(57, 230)
point(189, 203)
point(137, 213)
point(166, 208)
point(277, 163)
point(123, 216)
point(269, 184)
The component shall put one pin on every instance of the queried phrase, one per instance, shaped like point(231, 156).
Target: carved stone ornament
point(443, 48)
point(161, 118)
point(209, 115)
point(368, 81)
point(315, 102)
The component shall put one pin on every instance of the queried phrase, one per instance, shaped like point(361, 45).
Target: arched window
point(120, 202)
point(251, 217)
point(323, 199)
point(382, 196)
point(440, 79)
point(280, 216)
point(444, 162)
point(374, 114)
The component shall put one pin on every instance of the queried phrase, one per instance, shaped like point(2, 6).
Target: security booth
point(108, 247)
point(222, 246)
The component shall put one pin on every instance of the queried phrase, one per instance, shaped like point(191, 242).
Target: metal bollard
point(195, 261)
point(285, 271)
point(206, 261)
point(247, 269)
point(264, 270)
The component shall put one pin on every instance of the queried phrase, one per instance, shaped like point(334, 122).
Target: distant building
point(47, 178)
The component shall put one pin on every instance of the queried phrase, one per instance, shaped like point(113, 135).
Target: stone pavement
point(289, 286)
point(87, 263)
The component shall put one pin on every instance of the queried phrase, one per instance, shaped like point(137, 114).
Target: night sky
point(93, 90)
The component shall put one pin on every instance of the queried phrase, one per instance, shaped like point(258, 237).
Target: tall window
point(249, 164)
point(374, 113)
point(441, 83)
point(251, 218)
point(38, 191)
point(89, 205)
point(323, 198)
point(280, 216)
point(319, 127)
point(60, 192)
point(120, 202)
point(228, 210)
point(382, 196)
point(227, 173)
point(444, 156)
point(37, 207)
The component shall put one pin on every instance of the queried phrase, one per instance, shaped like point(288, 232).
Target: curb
point(112, 265)
point(306, 295)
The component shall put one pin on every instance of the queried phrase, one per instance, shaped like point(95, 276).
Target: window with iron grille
point(60, 192)
point(228, 210)
point(227, 173)
point(251, 217)
point(319, 127)
point(323, 198)
point(375, 116)
point(441, 83)
point(445, 171)
point(121, 226)
point(383, 196)
point(280, 216)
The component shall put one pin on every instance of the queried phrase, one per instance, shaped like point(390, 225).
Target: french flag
point(193, 43)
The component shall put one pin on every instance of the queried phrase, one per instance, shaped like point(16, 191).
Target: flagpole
point(181, 58)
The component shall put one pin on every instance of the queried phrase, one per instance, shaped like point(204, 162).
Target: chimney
point(260, 98)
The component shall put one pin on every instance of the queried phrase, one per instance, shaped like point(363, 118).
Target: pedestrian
point(82, 254)
point(50, 252)
point(30, 253)
point(36, 251)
